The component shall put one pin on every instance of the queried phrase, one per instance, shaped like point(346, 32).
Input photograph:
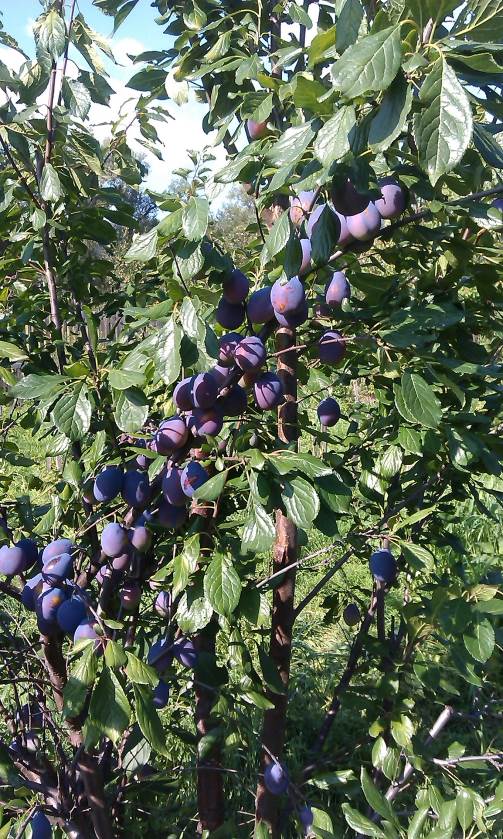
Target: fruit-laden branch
point(285, 555)
point(343, 684)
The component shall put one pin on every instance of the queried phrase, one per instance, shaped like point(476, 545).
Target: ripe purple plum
point(306, 256)
point(49, 602)
point(186, 653)
point(108, 484)
point(31, 592)
point(383, 566)
point(227, 348)
point(12, 561)
point(306, 817)
point(86, 631)
point(123, 561)
point(207, 423)
point(220, 374)
point(276, 778)
point(338, 289)
point(230, 315)
point(130, 596)
point(332, 347)
point(172, 487)
point(30, 551)
point(365, 225)
point(160, 654)
point(347, 200)
point(40, 826)
point(394, 198)
point(161, 695)
point(300, 206)
point(193, 477)
point(70, 614)
point(250, 354)
point(296, 318)
point(344, 235)
point(260, 308)
point(57, 569)
point(204, 391)
point(31, 715)
point(181, 394)
point(136, 489)
point(268, 391)
point(256, 130)
point(351, 615)
point(171, 517)
point(114, 539)
point(236, 287)
point(163, 604)
point(234, 403)
point(497, 204)
point(172, 434)
point(56, 549)
point(329, 412)
point(140, 538)
point(286, 296)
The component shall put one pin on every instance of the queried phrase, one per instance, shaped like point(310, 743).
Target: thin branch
point(321, 583)
point(18, 172)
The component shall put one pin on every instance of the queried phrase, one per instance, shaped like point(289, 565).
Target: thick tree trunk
point(285, 553)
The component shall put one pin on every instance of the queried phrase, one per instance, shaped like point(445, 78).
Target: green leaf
point(443, 130)
point(464, 808)
point(391, 118)
point(170, 224)
point(402, 729)
point(109, 711)
point(139, 672)
point(333, 140)
point(480, 640)
point(322, 47)
point(371, 64)
point(50, 186)
point(222, 585)
point(212, 489)
point(349, 24)
point(185, 564)
point(301, 502)
point(389, 462)
point(490, 607)
point(286, 461)
point(194, 610)
point(124, 377)
point(488, 146)
point(131, 410)
point(11, 352)
point(416, 401)
point(143, 248)
point(77, 98)
point(291, 146)
point(52, 34)
point(72, 413)
point(277, 237)
point(148, 719)
point(195, 218)
point(322, 824)
point(270, 672)
point(361, 824)
point(258, 532)
point(115, 656)
point(417, 556)
point(375, 798)
point(416, 823)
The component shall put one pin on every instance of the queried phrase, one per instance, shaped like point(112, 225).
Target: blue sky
point(139, 32)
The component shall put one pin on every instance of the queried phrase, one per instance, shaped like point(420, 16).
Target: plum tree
point(338, 289)
point(108, 484)
point(332, 347)
point(268, 391)
point(329, 412)
point(136, 489)
point(250, 353)
point(236, 287)
point(365, 225)
point(114, 539)
point(276, 778)
point(383, 565)
point(259, 307)
point(230, 315)
point(287, 296)
point(394, 198)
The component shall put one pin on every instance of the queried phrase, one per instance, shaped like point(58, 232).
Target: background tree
point(153, 662)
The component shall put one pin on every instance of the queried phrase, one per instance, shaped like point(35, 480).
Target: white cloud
point(30, 24)
point(122, 48)
point(12, 58)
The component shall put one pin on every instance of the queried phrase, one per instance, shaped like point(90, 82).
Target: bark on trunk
point(285, 553)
